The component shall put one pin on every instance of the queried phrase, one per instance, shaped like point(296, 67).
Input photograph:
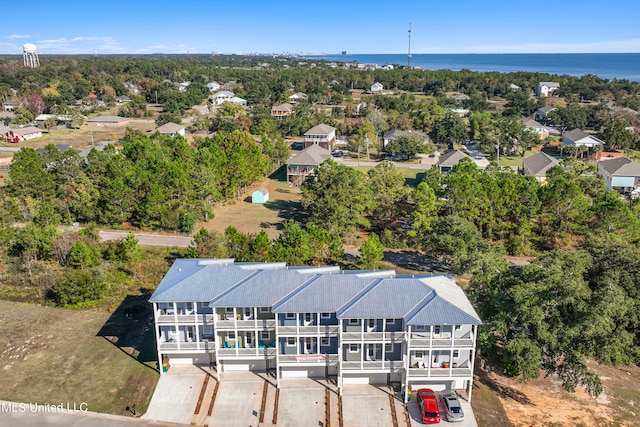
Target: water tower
point(30, 55)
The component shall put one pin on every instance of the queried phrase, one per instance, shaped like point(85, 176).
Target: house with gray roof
point(620, 174)
point(305, 163)
point(322, 135)
point(171, 129)
point(282, 110)
point(579, 138)
point(353, 326)
point(547, 88)
point(542, 113)
point(538, 165)
point(448, 160)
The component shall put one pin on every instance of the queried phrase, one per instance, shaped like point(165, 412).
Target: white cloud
point(17, 36)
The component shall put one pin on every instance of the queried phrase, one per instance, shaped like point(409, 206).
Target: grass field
point(55, 355)
point(283, 203)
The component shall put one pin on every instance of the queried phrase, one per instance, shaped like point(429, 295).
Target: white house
point(219, 97)
point(323, 135)
point(213, 86)
point(298, 97)
point(580, 138)
point(547, 88)
point(238, 100)
point(356, 327)
point(376, 87)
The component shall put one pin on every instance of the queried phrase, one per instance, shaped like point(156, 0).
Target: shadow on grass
point(130, 329)
point(412, 260)
point(413, 182)
point(286, 209)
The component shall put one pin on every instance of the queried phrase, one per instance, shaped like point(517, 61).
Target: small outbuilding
point(261, 195)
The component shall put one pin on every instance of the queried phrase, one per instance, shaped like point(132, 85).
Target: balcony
point(260, 324)
point(374, 336)
point(441, 343)
point(440, 372)
point(309, 359)
point(246, 352)
point(173, 345)
point(324, 330)
point(372, 365)
point(185, 318)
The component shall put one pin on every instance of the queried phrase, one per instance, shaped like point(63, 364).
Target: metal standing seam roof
point(199, 280)
point(263, 289)
point(448, 305)
point(326, 294)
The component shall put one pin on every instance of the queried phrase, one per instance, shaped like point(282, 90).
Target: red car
point(428, 406)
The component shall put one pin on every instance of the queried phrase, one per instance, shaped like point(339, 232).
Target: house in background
point(108, 121)
point(620, 174)
point(260, 195)
point(213, 86)
point(305, 163)
point(547, 88)
point(390, 135)
point(131, 87)
point(579, 138)
point(514, 87)
point(460, 97)
point(358, 327)
point(377, 87)
point(450, 159)
point(171, 129)
point(282, 110)
point(23, 134)
point(538, 165)
point(322, 135)
point(9, 106)
point(238, 101)
point(541, 113)
point(219, 97)
point(298, 97)
point(539, 129)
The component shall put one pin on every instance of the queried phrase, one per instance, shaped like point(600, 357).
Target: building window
point(264, 335)
point(324, 341)
point(436, 330)
point(390, 321)
point(325, 315)
point(456, 354)
point(354, 321)
point(228, 310)
point(231, 335)
point(353, 348)
point(372, 323)
point(420, 328)
point(290, 316)
point(264, 309)
point(307, 317)
point(388, 348)
point(291, 342)
point(419, 354)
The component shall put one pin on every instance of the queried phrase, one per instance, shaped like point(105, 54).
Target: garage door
point(369, 379)
point(258, 365)
point(355, 380)
point(303, 373)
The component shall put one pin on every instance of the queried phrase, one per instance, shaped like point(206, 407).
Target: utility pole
point(409, 52)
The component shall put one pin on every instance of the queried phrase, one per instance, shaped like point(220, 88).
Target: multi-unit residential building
point(348, 326)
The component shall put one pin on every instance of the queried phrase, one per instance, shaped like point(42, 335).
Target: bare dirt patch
point(543, 402)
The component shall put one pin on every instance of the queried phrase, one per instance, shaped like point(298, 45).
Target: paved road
point(149, 239)
point(21, 415)
point(352, 162)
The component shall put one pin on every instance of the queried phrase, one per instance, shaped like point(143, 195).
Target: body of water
point(606, 65)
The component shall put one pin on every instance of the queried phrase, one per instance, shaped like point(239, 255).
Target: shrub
point(77, 288)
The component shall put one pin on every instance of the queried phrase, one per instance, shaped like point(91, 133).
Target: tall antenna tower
point(409, 52)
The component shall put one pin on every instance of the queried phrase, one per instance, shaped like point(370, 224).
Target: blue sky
point(308, 26)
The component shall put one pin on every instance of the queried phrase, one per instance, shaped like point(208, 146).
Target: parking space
point(416, 418)
point(366, 406)
point(176, 395)
point(302, 402)
point(238, 400)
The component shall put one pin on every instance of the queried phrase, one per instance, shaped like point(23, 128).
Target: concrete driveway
point(176, 395)
point(302, 402)
point(416, 417)
point(239, 400)
point(366, 406)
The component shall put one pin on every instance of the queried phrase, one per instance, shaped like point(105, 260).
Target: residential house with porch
point(538, 165)
point(281, 111)
point(620, 174)
point(305, 163)
point(579, 138)
point(322, 135)
point(354, 327)
point(547, 88)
